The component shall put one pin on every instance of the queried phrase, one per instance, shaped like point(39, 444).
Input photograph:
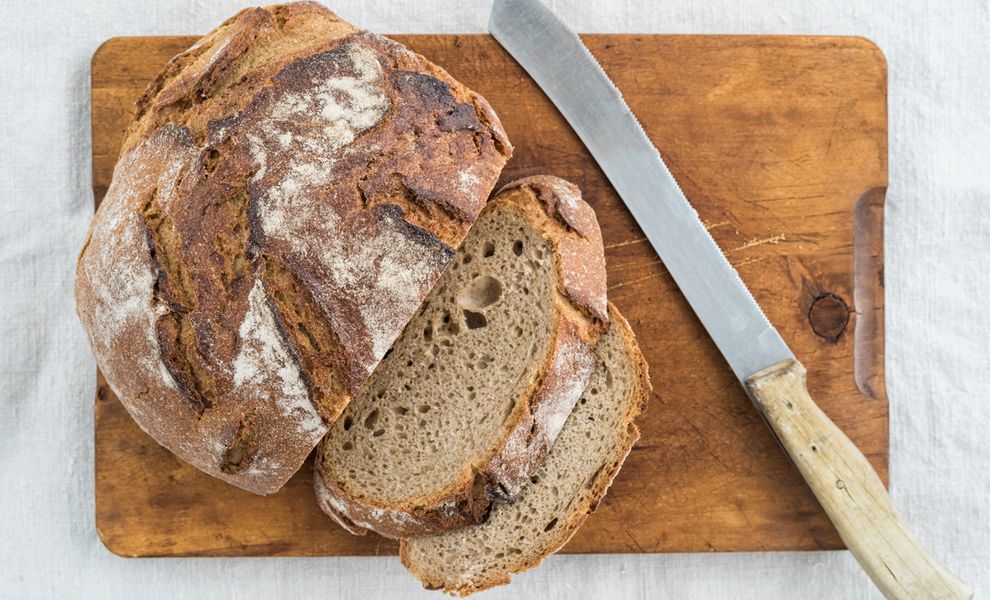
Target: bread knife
point(838, 474)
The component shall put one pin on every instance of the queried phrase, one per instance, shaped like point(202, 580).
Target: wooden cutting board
point(781, 145)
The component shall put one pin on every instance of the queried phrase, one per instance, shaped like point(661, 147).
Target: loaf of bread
point(289, 191)
point(570, 484)
point(474, 392)
point(297, 245)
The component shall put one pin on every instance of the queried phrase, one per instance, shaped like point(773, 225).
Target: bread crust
point(555, 208)
point(290, 190)
point(603, 480)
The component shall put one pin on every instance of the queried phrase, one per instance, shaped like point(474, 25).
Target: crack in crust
point(242, 445)
point(312, 341)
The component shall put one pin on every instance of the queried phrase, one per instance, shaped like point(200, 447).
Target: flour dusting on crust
point(468, 180)
point(340, 107)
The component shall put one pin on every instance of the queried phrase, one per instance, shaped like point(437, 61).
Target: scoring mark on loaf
point(372, 266)
point(265, 364)
point(120, 270)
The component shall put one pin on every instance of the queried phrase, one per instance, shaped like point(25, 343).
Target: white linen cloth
point(937, 278)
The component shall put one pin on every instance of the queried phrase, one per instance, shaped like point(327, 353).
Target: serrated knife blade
point(836, 471)
point(567, 72)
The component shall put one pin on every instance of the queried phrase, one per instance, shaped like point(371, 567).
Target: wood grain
point(780, 143)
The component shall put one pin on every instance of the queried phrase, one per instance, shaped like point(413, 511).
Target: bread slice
point(574, 477)
point(474, 392)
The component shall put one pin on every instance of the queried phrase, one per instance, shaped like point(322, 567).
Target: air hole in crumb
point(428, 334)
point(488, 250)
point(534, 479)
point(378, 433)
point(348, 421)
point(347, 446)
point(424, 408)
point(517, 248)
point(474, 320)
point(481, 293)
point(371, 419)
point(401, 410)
point(467, 259)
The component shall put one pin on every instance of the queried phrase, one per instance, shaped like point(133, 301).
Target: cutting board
point(781, 145)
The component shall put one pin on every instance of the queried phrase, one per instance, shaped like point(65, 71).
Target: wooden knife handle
point(849, 489)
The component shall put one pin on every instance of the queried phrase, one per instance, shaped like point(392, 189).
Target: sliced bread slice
point(569, 485)
point(466, 404)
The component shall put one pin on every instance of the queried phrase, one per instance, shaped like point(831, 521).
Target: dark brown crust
point(603, 480)
point(226, 169)
point(540, 412)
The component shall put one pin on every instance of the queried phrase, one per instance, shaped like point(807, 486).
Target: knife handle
point(848, 489)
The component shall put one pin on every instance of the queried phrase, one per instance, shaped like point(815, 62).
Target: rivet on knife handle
point(848, 489)
point(836, 471)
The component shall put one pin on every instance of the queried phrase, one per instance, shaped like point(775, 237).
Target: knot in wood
point(829, 316)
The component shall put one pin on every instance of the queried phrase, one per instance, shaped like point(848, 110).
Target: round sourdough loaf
point(290, 189)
